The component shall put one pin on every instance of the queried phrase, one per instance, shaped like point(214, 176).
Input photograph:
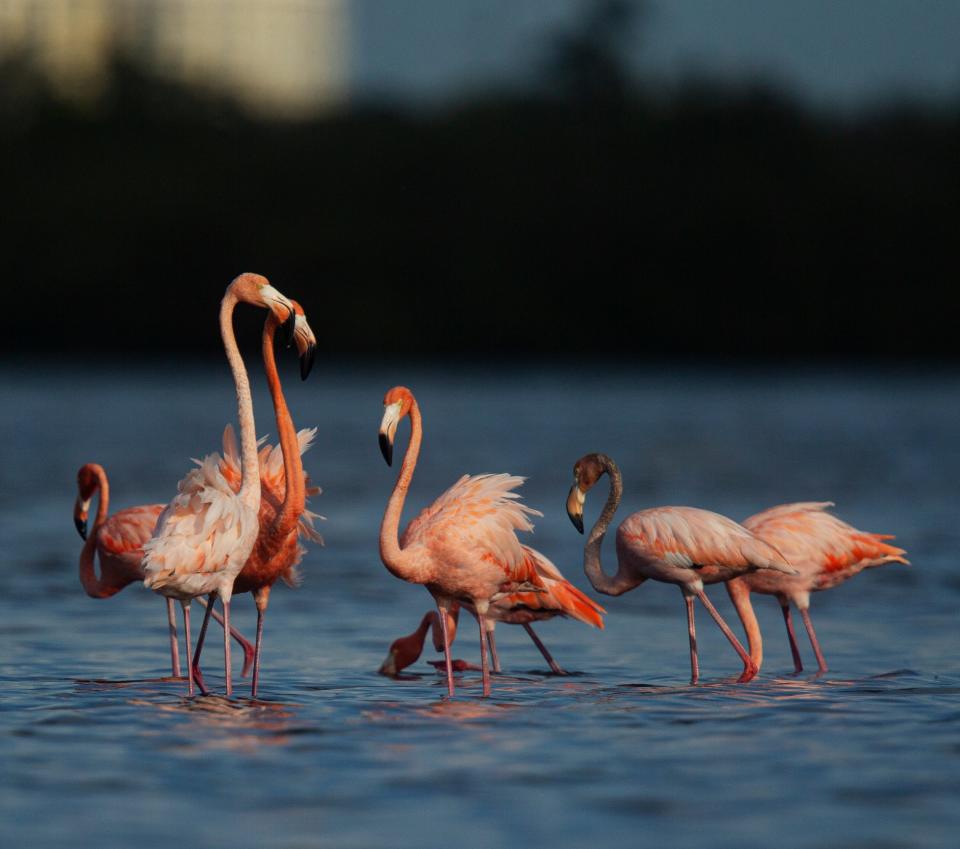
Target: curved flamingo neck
point(250, 467)
point(294, 496)
point(92, 585)
point(739, 594)
point(398, 562)
point(602, 582)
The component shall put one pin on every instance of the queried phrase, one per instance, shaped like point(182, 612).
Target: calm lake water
point(99, 751)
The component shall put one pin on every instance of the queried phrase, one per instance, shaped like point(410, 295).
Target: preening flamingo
point(283, 514)
point(512, 609)
point(205, 535)
point(685, 546)
point(825, 551)
point(118, 541)
point(464, 546)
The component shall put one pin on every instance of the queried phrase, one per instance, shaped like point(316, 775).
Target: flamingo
point(685, 546)
point(118, 540)
point(464, 546)
point(277, 552)
point(205, 535)
point(825, 550)
point(405, 651)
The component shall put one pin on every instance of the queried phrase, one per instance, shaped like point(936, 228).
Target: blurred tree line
point(588, 216)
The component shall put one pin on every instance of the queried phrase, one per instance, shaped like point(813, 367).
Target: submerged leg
point(261, 598)
point(692, 634)
point(174, 645)
point(808, 623)
point(245, 644)
point(749, 667)
point(197, 674)
point(554, 666)
point(794, 648)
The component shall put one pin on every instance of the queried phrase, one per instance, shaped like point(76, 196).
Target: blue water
point(99, 751)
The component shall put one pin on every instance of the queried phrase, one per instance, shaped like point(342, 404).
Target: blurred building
point(283, 58)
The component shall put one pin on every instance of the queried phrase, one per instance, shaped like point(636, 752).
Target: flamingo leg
point(794, 648)
point(493, 649)
point(197, 674)
point(446, 649)
point(226, 646)
point(174, 645)
point(484, 664)
point(808, 624)
point(554, 666)
point(256, 657)
point(750, 669)
point(692, 634)
point(186, 634)
point(244, 643)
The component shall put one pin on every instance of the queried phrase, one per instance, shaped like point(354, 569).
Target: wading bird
point(685, 546)
point(824, 550)
point(464, 546)
point(118, 542)
point(205, 535)
point(283, 514)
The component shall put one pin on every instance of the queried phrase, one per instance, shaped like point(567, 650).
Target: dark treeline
point(591, 216)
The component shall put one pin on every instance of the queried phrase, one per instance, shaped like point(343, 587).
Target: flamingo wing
point(202, 532)
point(124, 533)
point(806, 533)
point(688, 537)
point(479, 512)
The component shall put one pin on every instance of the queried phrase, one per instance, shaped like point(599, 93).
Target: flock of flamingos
point(236, 523)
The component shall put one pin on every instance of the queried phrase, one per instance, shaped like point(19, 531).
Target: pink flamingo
point(464, 546)
point(677, 545)
point(825, 550)
point(205, 535)
point(512, 609)
point(277, 552)
point(118, 541)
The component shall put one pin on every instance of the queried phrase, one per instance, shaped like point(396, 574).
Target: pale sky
point(831, 52)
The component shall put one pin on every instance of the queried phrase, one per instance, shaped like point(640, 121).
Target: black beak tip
point(306, 362)
point(81, 526)
point(577, 522)
point(289, 326)
point(386, 448)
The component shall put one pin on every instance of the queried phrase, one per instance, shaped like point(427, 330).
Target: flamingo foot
point(749, 673)
point(201, 684)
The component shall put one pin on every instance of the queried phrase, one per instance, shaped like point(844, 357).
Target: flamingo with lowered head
point(825, 551)
point(464, 546)
point(118, 541)
point(685, 546)
point(205, 535)
point(277, 552)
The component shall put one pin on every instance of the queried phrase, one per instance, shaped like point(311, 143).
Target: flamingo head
point(88, 482)
point(586, 472)
point(397, 403)
point(403, 652)
point(306, 341)
point(255, 289)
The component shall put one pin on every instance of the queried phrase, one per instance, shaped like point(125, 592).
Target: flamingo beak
point(306, 361)
point(80, 517)
point(575, 506)
point(274, 300)
point(389, 666)
point(290, 327)
point(388, 429)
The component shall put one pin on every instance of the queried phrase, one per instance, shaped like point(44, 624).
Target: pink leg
point(256, 657)
point(197, 674)
point(750, 669)
point(484, 665)
point(226, 647)
point(186, 634)
point(692, 634)
point(174, 646)
point(446, 650)
point(248, 649)
point(493, 652)
point(554, 666)
point(794, 648)
point(808, 622)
